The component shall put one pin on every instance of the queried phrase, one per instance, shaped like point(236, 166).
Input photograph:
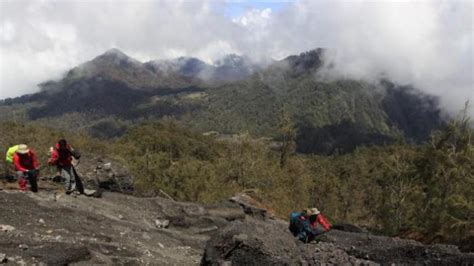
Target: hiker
point(26, 167)
point(9, 167)
point(57, 172)
point(304, 225)
point(61, 157)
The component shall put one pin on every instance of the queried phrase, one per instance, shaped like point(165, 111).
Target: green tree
point(446, 170)
point(288, 135)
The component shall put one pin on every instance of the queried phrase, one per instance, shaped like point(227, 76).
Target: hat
point(313, 211)
point(22, 149)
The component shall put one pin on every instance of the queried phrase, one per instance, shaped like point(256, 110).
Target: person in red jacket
point(26, 166)
point(315, 217)
point(61, 157)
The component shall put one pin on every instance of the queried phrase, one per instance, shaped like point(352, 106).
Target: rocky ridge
point(54, 229)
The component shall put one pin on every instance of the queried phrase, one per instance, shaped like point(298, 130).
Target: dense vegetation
point(112, 92)
point(401, 188)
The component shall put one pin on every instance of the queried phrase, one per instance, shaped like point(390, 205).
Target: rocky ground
point(57, 229)
point(103, 173)
point(51, 228)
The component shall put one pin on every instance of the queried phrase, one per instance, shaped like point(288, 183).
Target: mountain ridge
point(329, 115)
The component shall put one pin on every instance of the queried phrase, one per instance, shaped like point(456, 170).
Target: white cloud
point(426, 43)
point(215, 50)
point(7, 32)
point(254, 18)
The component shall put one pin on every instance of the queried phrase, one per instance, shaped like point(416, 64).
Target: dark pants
point(31, 177)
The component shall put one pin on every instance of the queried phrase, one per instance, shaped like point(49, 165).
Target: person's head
point(62, 143)
point(304, 212)
point(312, 213)
point(22, 149)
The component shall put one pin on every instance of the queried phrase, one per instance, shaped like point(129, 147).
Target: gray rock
point(252, 242)
point(6, 228)
point(107, 166)
point(3, 258)
point(240, 237)
point(162, 223)
point(111, 176)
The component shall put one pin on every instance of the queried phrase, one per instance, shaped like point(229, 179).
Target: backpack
point(294, 216)
point(63, 154)
point(76, 154)
point(296, 225)
point(66, 153)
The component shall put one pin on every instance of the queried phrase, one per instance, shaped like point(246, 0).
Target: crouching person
point(26, 167)
point(61, 157)
point(304, 225)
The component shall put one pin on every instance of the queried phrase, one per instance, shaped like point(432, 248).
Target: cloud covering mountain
point(428, 44)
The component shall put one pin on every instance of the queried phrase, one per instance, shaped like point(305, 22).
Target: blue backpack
point(300, 228)
point(294, 216)
point(296, 225)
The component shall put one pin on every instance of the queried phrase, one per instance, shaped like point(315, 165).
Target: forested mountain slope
point(113, 91)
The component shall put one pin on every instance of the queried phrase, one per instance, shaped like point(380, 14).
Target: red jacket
point(322, 221)
point(61, 157)
point(25, 162)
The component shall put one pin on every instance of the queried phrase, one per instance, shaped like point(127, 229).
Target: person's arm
point(35, 162)
point(16, 162)
point(323, 222)
point(53, 158)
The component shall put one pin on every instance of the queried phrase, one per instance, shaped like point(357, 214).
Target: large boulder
point(258, 238)
point(252, 242)
point(104, 173)
point(252, 207)
point(256, 242)
point(388, 250)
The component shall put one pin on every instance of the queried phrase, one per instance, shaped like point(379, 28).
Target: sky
point(428, 44)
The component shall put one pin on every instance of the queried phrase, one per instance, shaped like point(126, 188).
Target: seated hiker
point(61, 157)
point(304, 225)
point(26, 167)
